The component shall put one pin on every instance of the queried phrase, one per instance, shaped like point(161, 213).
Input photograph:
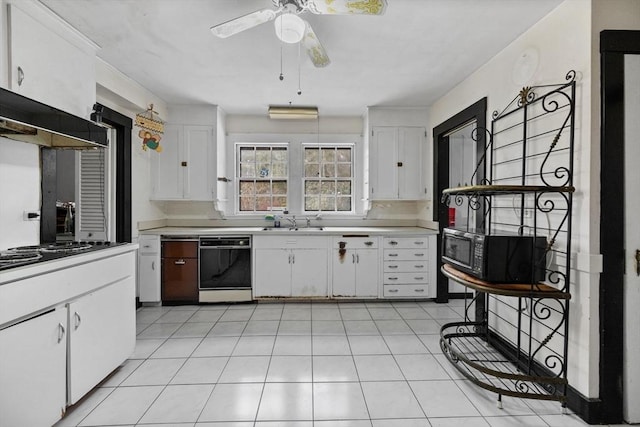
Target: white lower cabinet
point(355, 264)
point(149, 269)
point(101, 335)
point(298, 269)
point(33, 357)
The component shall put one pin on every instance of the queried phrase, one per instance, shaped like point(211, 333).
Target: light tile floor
point(320, 364)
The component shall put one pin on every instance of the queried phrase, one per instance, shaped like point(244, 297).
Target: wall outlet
point(31, 215)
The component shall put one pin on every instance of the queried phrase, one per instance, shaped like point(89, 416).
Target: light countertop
point(315, 231)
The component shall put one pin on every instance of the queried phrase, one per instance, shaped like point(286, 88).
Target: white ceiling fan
point(290, 28)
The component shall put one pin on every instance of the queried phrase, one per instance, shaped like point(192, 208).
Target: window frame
point(353, 178)
point(238, 179)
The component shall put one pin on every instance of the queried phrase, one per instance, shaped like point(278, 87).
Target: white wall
point(19, 192)
point(562, 41)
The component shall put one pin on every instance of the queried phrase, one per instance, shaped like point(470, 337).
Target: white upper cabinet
point(50, 61)
point(396, 163)
point(185, 169)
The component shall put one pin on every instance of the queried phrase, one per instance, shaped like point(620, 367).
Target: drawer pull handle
point(393, 291)
point(393, 278)
point(419, 254)
point(417, 242)
point(368, 243)
point(418, 290)
point(179, 262)
point(393, 243)
point(393, 254)
point(418, 278)
point(419, 266)
point(393, 266)
point(146, 246)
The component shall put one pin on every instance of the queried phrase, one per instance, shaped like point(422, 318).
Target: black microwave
point(497, 258)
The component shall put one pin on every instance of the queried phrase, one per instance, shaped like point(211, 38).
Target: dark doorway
point(478, 113)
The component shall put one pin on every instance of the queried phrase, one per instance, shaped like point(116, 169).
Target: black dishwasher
point(225, 268)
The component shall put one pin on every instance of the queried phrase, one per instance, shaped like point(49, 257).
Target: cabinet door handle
point(20, 76)
point(353, 258)
point(393, 243)
point(418, 290)
point(293, 258)
point(393, 278)
point(146, 246)
point(61, 332)
point(153, 265)
point(393, 266)
point(183, 164)
point(289, 258)
point(393, 254)
point(368, 243)
point(637, 262)
point(77, 321)
point(179, 262)
point(358, 258)
point(393, 291)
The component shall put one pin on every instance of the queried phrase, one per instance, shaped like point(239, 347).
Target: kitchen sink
point(304, 229)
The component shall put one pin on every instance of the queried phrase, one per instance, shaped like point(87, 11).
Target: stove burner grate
point(25, 249)
point(65, 247)
point(17, 257)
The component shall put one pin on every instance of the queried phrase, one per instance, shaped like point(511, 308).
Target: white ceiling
point(410, 56)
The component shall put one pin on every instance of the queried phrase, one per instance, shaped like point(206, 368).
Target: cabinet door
point(367, 276)
point(102, 335)
point(344, 273)
point(149, 278)
point(180, 279)
point(309, 276)
point(33, 371)
point(49, 62)
point(410, 143)
point(272, 269)
point(383, 167)
point(198, 149)
point(167, 172)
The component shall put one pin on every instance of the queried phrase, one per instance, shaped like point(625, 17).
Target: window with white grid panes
point(328, 179)
point(262, 177)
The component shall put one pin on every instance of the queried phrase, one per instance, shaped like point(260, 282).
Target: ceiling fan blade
point(242, 23)
point(316, 52)
point(348, 7)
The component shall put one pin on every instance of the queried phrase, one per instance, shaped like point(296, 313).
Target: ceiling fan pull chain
point(299, 89)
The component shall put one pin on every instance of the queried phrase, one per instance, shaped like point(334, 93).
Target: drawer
point(293, 241)
point(406, 291)
point(405, 254)
point(406, 242)
point(405, 266)
point(355, 243)
point(180, 249)
point(149, 244)
point(417, 277)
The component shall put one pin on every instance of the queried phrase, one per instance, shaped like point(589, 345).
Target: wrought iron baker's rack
point(518, 345)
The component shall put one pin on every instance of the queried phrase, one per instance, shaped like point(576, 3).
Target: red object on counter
point(452, 217)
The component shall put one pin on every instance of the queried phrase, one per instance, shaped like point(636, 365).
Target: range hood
point(26, 120)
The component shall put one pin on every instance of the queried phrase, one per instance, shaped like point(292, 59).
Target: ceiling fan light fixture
point(293, 112)
point(290, 27)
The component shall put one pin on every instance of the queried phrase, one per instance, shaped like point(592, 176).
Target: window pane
point(344, 203)
point(311, 203)
point(263, 155)
point(279, 202)
point(329, 171)
point(328, 187)
point(328, 155)
point(311, 155)
point(279, 170)
point(312, 170)
point(343, 155)
point(279, 154)
point(248, 170)
point(247, 154)
point(327, 203)
point(263, 187)
point(312, 187)
point(247, 187)
point(263, 203)
point(247, 203)
point(279, 187)
point(344, 188)
point(344, 170)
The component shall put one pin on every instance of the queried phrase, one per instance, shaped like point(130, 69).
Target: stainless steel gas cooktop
point(25, 255)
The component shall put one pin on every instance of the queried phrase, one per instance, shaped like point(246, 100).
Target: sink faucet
point(292, 220)
point(308, 221)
